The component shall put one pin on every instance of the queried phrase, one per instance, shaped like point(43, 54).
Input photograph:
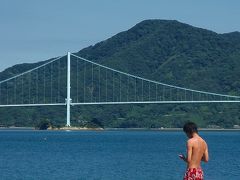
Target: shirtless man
point(197, 151)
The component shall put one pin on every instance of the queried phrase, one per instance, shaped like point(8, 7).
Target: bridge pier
point(68, 100)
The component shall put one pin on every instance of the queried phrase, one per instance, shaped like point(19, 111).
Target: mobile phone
point(181, 156)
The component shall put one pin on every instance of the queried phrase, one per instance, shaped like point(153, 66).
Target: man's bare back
point(197, 151)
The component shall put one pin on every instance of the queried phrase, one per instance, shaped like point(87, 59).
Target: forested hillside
point(167, 51)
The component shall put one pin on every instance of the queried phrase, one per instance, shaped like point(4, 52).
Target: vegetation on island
point(161, 50)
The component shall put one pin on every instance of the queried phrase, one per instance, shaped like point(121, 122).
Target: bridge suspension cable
point(105, 85)
point(35, 87)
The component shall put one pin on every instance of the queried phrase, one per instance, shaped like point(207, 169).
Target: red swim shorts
point(193, 174)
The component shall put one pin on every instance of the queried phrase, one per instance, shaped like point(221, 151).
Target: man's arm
point(189, 151)
point(205, 157)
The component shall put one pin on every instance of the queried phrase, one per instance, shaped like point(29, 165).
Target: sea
point(112, 155)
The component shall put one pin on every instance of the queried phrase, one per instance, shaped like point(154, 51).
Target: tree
point(43, 124)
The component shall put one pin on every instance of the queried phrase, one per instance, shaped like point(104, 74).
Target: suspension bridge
point(73, 80)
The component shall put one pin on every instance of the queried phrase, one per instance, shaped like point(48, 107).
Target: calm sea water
point(111, 155)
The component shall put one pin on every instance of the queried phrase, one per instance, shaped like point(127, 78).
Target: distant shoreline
point(114, 129)
point(165, 129)
point(17, 128)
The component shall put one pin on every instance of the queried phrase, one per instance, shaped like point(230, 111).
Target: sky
point(36, 30)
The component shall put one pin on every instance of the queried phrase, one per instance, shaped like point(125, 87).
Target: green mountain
point(161, 50)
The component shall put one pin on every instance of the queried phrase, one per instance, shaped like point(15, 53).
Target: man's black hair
point(190, 128)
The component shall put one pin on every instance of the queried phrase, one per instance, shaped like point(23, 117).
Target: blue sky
point(35, 30)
